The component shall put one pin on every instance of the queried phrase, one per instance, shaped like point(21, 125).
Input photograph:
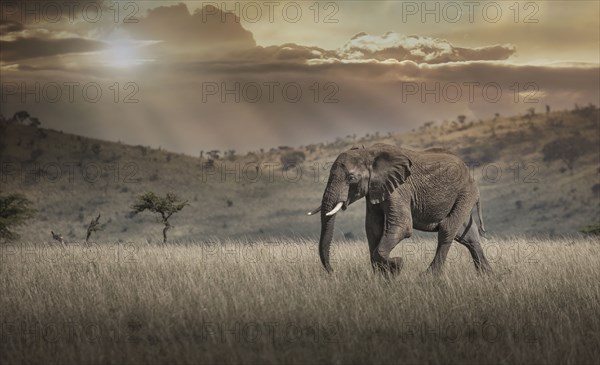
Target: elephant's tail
point(480, 215)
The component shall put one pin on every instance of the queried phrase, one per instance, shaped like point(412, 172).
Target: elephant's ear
point(389, 170)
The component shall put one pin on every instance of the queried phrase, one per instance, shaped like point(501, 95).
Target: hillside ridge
point(529, 184)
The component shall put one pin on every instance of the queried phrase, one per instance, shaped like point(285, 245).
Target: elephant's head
point(374, 172)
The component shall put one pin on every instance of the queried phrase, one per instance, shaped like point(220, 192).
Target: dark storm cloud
point(25, 48)
point(284, 52)
point(9, 26)
point(42, 30)
point(206, 29)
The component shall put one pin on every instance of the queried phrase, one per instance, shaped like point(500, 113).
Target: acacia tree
point(568, 150)
point(164, 207)
point(15, 210)
point(20, 116)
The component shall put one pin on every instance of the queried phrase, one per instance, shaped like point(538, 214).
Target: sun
point(122, 54)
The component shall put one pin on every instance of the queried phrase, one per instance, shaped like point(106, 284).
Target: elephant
point(428, 190)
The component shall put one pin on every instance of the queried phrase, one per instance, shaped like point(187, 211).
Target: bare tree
point(94, 226)
point(58, 237)
point(494, 121)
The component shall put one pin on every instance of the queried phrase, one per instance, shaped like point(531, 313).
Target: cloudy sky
point(191, 75)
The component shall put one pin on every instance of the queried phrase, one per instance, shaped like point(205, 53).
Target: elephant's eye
point(352, 178)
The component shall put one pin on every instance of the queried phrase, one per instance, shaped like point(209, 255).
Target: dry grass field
point(271, 302)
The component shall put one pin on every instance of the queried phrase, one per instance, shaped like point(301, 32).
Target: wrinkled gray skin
point(429, 191)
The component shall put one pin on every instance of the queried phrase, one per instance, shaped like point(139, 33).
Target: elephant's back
point(436, 158)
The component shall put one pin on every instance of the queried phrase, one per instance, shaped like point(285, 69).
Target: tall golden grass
point(271, 302)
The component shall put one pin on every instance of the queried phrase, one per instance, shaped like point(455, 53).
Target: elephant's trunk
point(327, 224)
point(329, 202)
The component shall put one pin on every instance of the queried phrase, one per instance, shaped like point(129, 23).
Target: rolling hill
point(538, 175)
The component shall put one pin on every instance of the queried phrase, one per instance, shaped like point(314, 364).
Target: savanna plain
point(271, 302)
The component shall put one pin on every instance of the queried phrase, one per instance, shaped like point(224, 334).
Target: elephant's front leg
point(380, 257)
point(397, 226)
point(374, 225)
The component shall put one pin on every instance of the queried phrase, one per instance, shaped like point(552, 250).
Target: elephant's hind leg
point(448, 229)
point(444, 241)
point(468, 236)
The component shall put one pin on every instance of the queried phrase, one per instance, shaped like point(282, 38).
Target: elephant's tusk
point(336, 209)
point(314, 211)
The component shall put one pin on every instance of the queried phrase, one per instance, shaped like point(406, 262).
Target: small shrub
point(596, 189)
point(35, 154)
point(15, 211)
point(230, 155)
point(96, 149)
point(214, 154)
point(292, 159)
point(591, 229)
